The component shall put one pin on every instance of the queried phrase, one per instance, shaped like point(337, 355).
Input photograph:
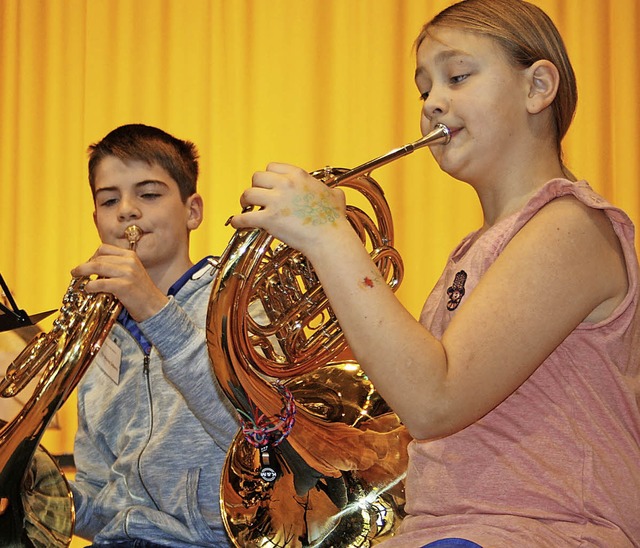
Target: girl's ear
point(543, 79)
point(195, 208)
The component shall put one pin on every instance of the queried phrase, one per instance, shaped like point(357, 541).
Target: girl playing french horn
point(520, 383)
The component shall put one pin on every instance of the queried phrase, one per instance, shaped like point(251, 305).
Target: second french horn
point(36, 504)
point(321, 457)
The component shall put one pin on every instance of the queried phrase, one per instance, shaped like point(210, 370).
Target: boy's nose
point(128, 210)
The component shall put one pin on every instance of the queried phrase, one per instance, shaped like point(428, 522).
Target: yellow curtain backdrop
point(311, 82)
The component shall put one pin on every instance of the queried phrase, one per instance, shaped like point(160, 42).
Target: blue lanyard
point(130, 324)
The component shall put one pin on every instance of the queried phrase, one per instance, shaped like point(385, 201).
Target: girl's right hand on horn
point(293, 206)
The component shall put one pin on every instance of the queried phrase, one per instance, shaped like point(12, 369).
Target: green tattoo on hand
point(316, 210)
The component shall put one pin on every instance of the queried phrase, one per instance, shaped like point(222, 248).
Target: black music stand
point(13, 318)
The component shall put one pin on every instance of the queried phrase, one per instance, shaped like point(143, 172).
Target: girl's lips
point(454, 131)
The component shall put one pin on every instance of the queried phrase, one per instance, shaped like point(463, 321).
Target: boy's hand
point(120, 272)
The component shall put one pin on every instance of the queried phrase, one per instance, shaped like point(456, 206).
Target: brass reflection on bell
point(303, 508)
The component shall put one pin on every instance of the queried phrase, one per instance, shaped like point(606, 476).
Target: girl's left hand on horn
point(293, 206)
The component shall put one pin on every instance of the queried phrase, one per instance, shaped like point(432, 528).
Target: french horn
point(34, 494)
point(320, 458)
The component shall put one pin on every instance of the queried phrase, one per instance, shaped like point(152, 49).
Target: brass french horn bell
point(321, 457)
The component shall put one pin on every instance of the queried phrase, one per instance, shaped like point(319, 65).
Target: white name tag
point(109, 358)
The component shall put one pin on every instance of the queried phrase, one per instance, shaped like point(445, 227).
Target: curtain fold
point(314, 83)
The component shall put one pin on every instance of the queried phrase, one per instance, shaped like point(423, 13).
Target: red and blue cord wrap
point(261, 431)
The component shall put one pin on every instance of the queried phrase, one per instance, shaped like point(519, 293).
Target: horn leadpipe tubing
point(440, 135)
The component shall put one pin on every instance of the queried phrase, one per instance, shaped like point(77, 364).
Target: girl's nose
point(436, 104)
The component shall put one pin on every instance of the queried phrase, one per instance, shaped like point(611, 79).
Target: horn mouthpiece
point(133, 233)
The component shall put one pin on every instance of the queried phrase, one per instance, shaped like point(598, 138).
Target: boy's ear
point(195, 208)
point(543, 81)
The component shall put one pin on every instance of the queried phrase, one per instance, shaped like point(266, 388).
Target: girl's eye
point(459, 78)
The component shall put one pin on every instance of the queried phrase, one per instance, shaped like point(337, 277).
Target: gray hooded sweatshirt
point(154, 428)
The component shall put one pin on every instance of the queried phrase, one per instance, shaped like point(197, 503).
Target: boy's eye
point(424, 96)
point(109, 202)
point(150, 195)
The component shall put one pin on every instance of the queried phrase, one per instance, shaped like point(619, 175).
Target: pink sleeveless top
point(558, 462)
